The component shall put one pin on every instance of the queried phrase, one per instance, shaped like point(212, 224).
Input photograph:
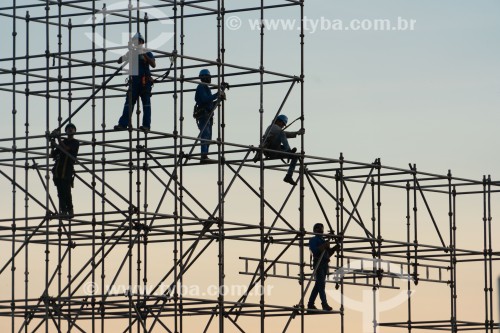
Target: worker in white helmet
point(140, 83)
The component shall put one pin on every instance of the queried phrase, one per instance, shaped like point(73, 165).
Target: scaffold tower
point(155, 230)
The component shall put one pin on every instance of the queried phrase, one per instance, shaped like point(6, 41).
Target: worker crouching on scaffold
point(140, 83)
point(276, 138)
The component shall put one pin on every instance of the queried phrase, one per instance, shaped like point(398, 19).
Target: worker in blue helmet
point(140, 83)
point(276, 138)
point(64, 154)
point(321, 252)
point(205, 105)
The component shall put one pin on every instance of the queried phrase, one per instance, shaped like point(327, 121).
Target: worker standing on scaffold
point(321, 252)
point(140, 83)
point(205, 105)
point(64, 153)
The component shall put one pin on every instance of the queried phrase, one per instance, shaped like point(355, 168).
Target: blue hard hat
point(138, 36)
point(205, 72)
point(283, 118)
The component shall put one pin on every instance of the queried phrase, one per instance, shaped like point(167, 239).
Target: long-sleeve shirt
point(275, 136)
point(315, 244)
point(137, 65)
point(204, 97)
point(63, 166)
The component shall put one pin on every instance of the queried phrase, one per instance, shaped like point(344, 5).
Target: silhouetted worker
point(320, 248)
point(277, 139)
point(205, 104)
point(140, 83)
point(63, 170)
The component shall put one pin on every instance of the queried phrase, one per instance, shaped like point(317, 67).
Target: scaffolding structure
point(141, 198)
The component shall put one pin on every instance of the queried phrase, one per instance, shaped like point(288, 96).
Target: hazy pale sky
point(429, 96)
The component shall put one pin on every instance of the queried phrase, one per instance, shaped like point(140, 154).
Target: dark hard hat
point(204, 72)
point(317, 226)
point(70, 125)
point(282, 118)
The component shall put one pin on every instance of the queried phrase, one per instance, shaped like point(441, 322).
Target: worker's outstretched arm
point(122, 58)
point(294, 134)
point(334, 249)
point(204, 96)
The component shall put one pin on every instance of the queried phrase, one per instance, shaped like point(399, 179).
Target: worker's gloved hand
point(301, 131)
point(55, 134)
point(222, 95)
point(119, 60)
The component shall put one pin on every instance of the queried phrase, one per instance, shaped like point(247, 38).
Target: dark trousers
point(278, 155)
point(64, 194)
point(205, 126)
point(319, 285)
point(135, 91)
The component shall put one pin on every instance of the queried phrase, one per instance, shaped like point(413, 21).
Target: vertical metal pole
point(93, 301)
point(262, 180)
point(408, 253)
point(490, 257)
point(47, 129)
point(59, 112)
point(337, 208)
point(178, 144)
point(134, 288)
point(130, 182)
point(374, 256)
point(26, 177)
point(453, 262)
point(379, 244)
point(415, 226)
point(14, 167)
point(485, 254)
point(341, 199)
point(102, 309)
point(70, 100)
point(379, 212)
point(145, 232)
point(302, 167)
point(454, 211)
point(220, 167)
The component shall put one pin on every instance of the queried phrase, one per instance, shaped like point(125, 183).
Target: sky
point(428, 96)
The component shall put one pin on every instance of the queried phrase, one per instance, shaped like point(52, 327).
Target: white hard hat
point(138, 36)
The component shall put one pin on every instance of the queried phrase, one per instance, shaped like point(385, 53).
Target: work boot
point(70, 213)
point(326, 307)
point(119, 128)
point(311, 307)
point(205, 160)
point(257, 156)
point(144, 128)
point(288, 179)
